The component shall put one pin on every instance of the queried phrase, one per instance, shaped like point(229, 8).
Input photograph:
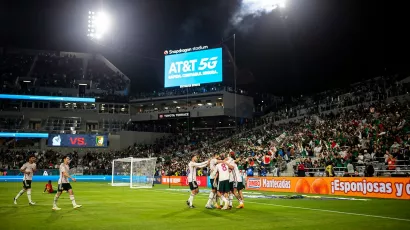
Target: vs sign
point(77, 141)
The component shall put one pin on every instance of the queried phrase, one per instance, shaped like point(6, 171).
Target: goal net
point(133, 172)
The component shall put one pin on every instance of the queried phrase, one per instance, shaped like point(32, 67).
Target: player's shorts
point(193, 185)
point(223, 186)
point(239, 186)
point(64, 187)
point(26, 184)
point(212, 183)
point(231, 186)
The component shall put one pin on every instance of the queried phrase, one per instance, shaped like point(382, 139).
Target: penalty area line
point(330, 211)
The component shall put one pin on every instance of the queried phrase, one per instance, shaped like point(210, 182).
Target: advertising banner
point(173, 180)
point(157, 180)
point(193, 68)
point(183, 180)
point(77, 140)
point(200, 180)
point(371, 187)
point(173, 115)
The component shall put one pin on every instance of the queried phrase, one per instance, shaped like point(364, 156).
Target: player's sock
point(19, 194)
point(72, 200)
point(191, 199)
point(55, 200)
point(210, 198)
point(221, 200)
point(230, 199)
point(29, 195)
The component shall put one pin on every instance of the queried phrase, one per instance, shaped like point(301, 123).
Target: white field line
point(311, 209)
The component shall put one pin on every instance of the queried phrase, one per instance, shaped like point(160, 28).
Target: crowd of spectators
point(13, 66)
point(363, 134)
point(51, 70)
point(105, 78)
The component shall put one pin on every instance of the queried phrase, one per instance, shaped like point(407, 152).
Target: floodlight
point(282, 4)
point(100, 24)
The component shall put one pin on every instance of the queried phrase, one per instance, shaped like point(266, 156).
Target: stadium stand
point(362, 129)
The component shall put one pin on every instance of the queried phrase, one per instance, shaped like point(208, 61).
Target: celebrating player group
point(28, 170)
point(226, 181)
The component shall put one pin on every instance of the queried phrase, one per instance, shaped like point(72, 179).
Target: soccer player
point(192, 166)
point(223, 184)
point(229, 160)
point(28, 169)
point(49, 188)
point(212, 195)
point(64, 184)
point(237, 183)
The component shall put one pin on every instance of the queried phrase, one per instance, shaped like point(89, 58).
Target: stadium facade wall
point(92, 115)
point(244, 105)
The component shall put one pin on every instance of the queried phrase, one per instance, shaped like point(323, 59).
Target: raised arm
point(202, 164)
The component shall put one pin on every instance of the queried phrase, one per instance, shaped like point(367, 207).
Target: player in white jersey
point(212, 175)
point(237, 183)
point(223, 183)
point(193, 185)
point(64, 184)
point(229, 160)
point(28, 170)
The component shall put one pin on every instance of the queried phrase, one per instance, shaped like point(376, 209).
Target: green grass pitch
point(117, 208)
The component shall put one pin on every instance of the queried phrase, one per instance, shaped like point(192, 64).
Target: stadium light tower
point(98, 24)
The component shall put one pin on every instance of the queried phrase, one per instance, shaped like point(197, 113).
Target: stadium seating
point(362, 125)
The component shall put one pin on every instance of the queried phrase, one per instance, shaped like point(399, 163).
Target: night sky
point(308, 46)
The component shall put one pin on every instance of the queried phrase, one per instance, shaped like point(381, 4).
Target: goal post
point(133, 172)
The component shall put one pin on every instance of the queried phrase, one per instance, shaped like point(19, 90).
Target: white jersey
point(223, 171)
point(63, 179)
point(28, 167)
point(212, 167)
point(192, 166)
point(229, 160)
point(237, 177)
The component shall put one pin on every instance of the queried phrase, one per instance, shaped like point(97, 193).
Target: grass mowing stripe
point(310, 209)
point(332, 211)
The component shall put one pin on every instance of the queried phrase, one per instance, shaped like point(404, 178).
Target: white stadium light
point(282, 4)
point(100, 24)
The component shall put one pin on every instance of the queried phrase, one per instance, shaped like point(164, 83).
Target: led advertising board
point(193, 68)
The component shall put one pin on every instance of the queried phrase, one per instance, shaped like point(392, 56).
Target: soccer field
point(106, 207)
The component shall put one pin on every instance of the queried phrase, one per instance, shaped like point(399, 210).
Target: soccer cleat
point(55, 208)
point(208, 207)
point(77, 206)
point(15, 200)
point(191, 206)
point(32, 203)
point(224, 208)
point(240, 206)
point(229, 207)
point(218, 206)
point(187, 203)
